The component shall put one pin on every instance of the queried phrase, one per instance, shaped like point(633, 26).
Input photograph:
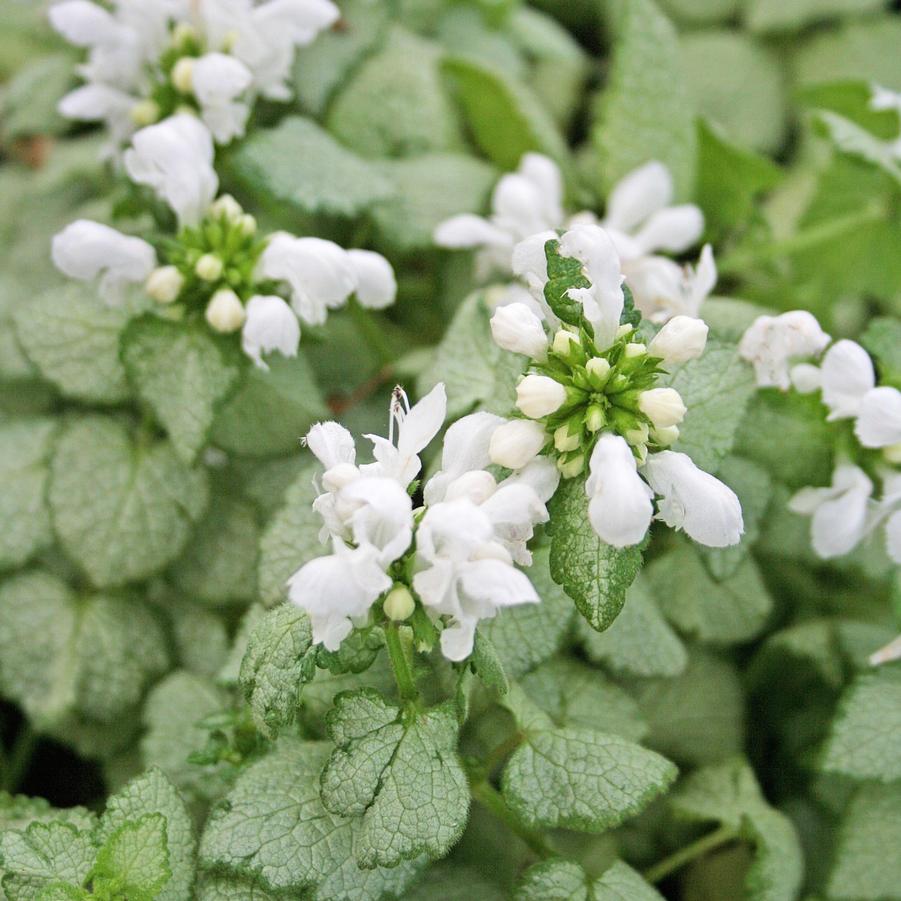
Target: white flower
point(516, 328)
point(640, 219)
point(376, 286)
point(846, 376)
point(539, 395)
point(682, 338)
point(771, 342)
point(464, 572)
point(332, 444)
point(225, 312)
point(516, 443)
point(217, 81)
point(663, 406)
point(806, 378)
point(175, 159)
point(98, 102)
point(619, 506)
point(662, 288)
point(319, 273)
point(523, 203)
point(270, 325)
point(164, 284)
point(839, 513)
point(84, 250)
point(694, 500)
point(879, 420)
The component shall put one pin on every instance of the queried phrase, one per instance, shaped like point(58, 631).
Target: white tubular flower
point(640, 219)
point(663, 406)
point(846, 376)
point(840, 513)
point(464, 572)
point(516, 328)
point(378, 512)
point(338, 589)
point(683, 338)
point(416, 426)
point(84, 250)
point(516, 443)
point(270, 325)
point(694, 500)
point(619, 506)
point(879, 420)
point(771, 342)
point(376, 284)
point(539, 395)
point(175, 159)
point(319, 273)
point(217, 81)
point(662, 288)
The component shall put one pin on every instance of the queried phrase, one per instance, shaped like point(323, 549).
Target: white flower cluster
point(455, 556)
point(843, 514)
point(217, 262)
point(148, 59)
point(591, 395)
point(640, 220)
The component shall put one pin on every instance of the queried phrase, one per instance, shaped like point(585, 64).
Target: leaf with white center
point(475, 371)
point(152, 794)
point(645, 113)
point(291, 538)
point(731, 611)
point(578, 778)
point(134, 860)
point(863, 739)
point(565, 880)
point(63, 654)
point(867, 866)
point(401, 773)
point(43, 856)
point(19, 812)
point(183, 373)
point(333, 180)
point(24, 449)
point(279, 660)
point(728, 793)
point(529, 634)
point(273, 828)
point(271, 410)
point(640, 642)
point(594, 574)
point(716, 389)
point(121, 510)
point(72, 337)
point(573, 694)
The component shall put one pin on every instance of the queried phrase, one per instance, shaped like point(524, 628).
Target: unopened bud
point(564, 440)
point(516, 443)
point(183, 33)
point(637, 435)
point(226, 207)
point(570, 468)
point(225, 312)
point(144, 113)
point(164, 284)
point(399, 604)
point(539, 395)
point(209, 267)
point(666, 437)
point(598, 370)
point(595, 418)
point(564, 341)
point(663, 406)
point(183, 75)
point(516, 328)
point(635, 350)
point(248, 225)
point(682, 338)
point(624, 329)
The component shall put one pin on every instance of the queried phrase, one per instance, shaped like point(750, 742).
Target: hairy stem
point(403, 675)
point(685, 855)
point(492, 800)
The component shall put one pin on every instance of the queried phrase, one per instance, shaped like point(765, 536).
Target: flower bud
point(183, 75)
point(637, 435)
point(682, 338)
point(183, 33)
point(595, 419)
point(225, 312)
point(564, 341)
point(663, 406)
point(399, 604)
point(564, 440)
point(666, 437)
point(164, 284)
point(635, 350)
point(892, 453)
point(806, 378)
point(598, 370)
point(226, 207)
point(624, 329)
point(476, 486)
point(209, 267)
point(570, 468)
point(516, 328)
point(516, 443)
point(539, 395)
point(144, 113)
point(248, 225)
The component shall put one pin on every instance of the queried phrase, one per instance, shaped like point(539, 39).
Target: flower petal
point(879, 420)
point(270, 324)
point(847, 375)
point(376, 285)
point(639, 194)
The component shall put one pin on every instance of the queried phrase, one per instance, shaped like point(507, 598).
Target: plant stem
point(742, 260)
point(492, 800)
point(406, 684)
point(500, 753)
point(371, 333)
point(685, 855)
point(16, 764)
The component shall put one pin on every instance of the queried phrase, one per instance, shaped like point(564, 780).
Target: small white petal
point(469, 230)
point(682, 338)
point(539, 395)
point(893, 537)
point(83, 23)
point(638, 194)
point(674, 229)
point(516, 443)
point(270, 325)
point(879, 420)
point(806, 378)
point(847, 375)
point(376, 285)
point(332, 444)
point(423, 422)
point(516, 328)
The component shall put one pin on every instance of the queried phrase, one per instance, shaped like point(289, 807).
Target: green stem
point(371, 333)
point(685, 855)
point(19, 758)
point(406, 684)
point(492, 800)
point(500, 753)
point(742, 260)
